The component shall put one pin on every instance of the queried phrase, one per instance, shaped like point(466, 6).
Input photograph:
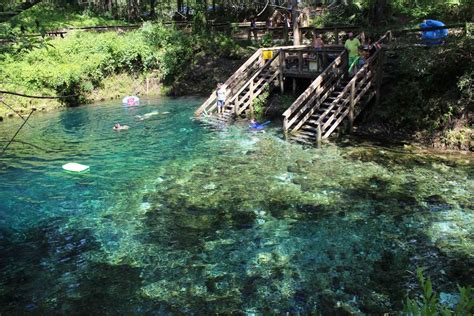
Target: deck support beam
point(319, 136)
point(282, 67)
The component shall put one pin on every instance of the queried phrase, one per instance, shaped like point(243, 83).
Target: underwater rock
point(447, 299)
point(264, 258)
point(303, 164)
point(297, 181)
point(243, 219)
point(293, 169)
point(437, 203)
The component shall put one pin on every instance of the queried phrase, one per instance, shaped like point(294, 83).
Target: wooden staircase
point(331, 98)
point(242, 88)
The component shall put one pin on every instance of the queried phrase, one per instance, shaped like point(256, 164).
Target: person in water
point(118, 127)
point(146, 116)
point(256, 126)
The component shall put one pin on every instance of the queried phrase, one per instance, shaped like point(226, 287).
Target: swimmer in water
point(146, 116)
point(118, 127)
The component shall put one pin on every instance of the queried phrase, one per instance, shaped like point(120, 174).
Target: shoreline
point(359, 137)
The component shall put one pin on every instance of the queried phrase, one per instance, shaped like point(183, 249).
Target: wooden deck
point(333, 97)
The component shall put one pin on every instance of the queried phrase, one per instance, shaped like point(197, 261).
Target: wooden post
point(351, 107)
point(324, 60)
point(319, 137)
point(336, 34)
point(282, 68)
point(285, 30)
point(300, 62)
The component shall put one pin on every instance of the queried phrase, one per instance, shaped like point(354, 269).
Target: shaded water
point(174, 218)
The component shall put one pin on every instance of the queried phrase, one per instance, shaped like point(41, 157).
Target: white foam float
point(75, 167)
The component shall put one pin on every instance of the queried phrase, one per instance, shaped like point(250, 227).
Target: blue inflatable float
point(434, 37)
point(257, 126)
point(131, 100)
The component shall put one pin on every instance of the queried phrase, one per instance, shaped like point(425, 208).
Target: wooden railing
point(297, 62)
point(256, 84)
point(234, 83)
point(346, 102)
point(315, 95)
point(250, 69)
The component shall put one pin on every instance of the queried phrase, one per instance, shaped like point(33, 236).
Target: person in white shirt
point(220, 98)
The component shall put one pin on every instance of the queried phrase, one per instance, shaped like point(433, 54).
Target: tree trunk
point(110, 7)
point(152, 8)
point(379, 11)
point(295, 20)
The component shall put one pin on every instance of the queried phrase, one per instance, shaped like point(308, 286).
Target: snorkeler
point(256, 126)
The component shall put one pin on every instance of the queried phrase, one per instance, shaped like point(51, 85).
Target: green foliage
point(266, 40)
point(428, 92)
point(76, 64)
point(261, 102)
point(430, 305)
point(451, 10)
point(51, 17)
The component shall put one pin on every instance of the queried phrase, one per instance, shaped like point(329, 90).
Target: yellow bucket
point(267, 54)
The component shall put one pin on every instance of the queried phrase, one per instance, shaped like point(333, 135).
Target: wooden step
point(307, 133)
point(304, 140)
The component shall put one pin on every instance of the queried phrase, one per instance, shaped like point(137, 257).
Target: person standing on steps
point(352, 45)
point(220, 92)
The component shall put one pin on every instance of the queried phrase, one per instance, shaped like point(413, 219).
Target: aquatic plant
point(431, 304)
point(260, 102)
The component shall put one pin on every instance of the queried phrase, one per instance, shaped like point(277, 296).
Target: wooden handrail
point(267, 64)
point(317, 87)
point(240, 73)
point(257, 92)
point(364, 73)
point(312, 86)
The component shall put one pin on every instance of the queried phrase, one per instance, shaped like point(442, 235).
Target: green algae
point(277, 220)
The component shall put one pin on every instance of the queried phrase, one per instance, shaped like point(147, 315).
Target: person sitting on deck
point(118, 127)
point(352, 45)
point(221, 96)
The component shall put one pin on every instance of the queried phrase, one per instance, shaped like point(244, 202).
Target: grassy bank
point(85, 67)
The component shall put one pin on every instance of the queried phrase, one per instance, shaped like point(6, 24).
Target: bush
point(430, 88)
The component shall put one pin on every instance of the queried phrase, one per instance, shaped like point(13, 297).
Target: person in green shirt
point(352, 45)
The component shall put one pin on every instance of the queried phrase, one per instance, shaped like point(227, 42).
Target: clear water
point(173, 218)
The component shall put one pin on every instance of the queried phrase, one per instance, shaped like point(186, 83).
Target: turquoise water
point(174, 218)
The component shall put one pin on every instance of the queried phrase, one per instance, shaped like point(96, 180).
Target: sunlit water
point(175, 218)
